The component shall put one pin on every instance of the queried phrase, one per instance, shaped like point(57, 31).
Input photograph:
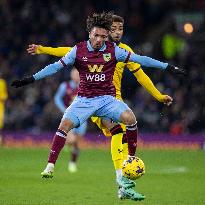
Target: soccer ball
point(133, 168)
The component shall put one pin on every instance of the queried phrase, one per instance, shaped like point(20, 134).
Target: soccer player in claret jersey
point(95, 60)
point(115, 35)
point(64, 96)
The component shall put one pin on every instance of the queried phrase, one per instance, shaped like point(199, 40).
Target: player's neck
point(111, 40)
point(94, 49)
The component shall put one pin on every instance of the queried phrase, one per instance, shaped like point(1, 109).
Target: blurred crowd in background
point(171, 30)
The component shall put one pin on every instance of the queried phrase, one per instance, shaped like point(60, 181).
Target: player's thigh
point(79, 111)
point(113, 110)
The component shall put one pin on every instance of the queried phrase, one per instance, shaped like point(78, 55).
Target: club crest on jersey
point(107, 57)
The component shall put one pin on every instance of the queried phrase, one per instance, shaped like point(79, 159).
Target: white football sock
point(118, 174)
point(50, 167)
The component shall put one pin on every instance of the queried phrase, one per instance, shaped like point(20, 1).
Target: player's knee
point(128, 117)
point(66, 125)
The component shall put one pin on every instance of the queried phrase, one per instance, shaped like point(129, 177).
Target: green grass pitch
point(172, 177)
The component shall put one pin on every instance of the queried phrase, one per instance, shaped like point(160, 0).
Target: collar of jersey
point(90, 48)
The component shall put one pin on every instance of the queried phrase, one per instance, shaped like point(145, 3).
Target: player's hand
point(32, 49)
point(176, 70)
point(167, 100)
point(23, 82)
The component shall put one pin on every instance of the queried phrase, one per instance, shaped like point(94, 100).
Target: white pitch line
point(168, 170)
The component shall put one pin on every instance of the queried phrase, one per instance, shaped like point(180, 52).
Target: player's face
point(116, 32)
point(98, 36)
point(75, 75)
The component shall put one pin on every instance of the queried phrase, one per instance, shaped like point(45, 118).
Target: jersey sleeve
point(59, 51)
point(67, 60)
point(133, 67)
point(124, 56)
point(58, 98)
point(121, 54)
point(126, 47)
point(147, 61)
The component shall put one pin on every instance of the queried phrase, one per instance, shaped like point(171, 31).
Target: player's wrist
point(175, 70)
point(39, 49)
point(160, 98)
point(23, 82)
point(30, 79)
point(170, 68)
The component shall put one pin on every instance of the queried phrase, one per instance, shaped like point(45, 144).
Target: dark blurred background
point(171, 30)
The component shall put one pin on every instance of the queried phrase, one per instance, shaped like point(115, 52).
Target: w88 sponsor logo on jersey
point(95, 77)
point(95, 73)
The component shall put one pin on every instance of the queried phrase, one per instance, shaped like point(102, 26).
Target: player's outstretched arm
point(146, 82)
point(150, 62)
point(47, 71)
point(23, 82)
point(125, 56)
point(68, 59)
point(34, 49)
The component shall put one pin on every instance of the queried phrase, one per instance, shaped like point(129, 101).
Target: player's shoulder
point(125, 46)
point(81, 43)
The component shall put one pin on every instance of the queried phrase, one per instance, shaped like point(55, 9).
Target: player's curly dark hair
point(101, 20)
